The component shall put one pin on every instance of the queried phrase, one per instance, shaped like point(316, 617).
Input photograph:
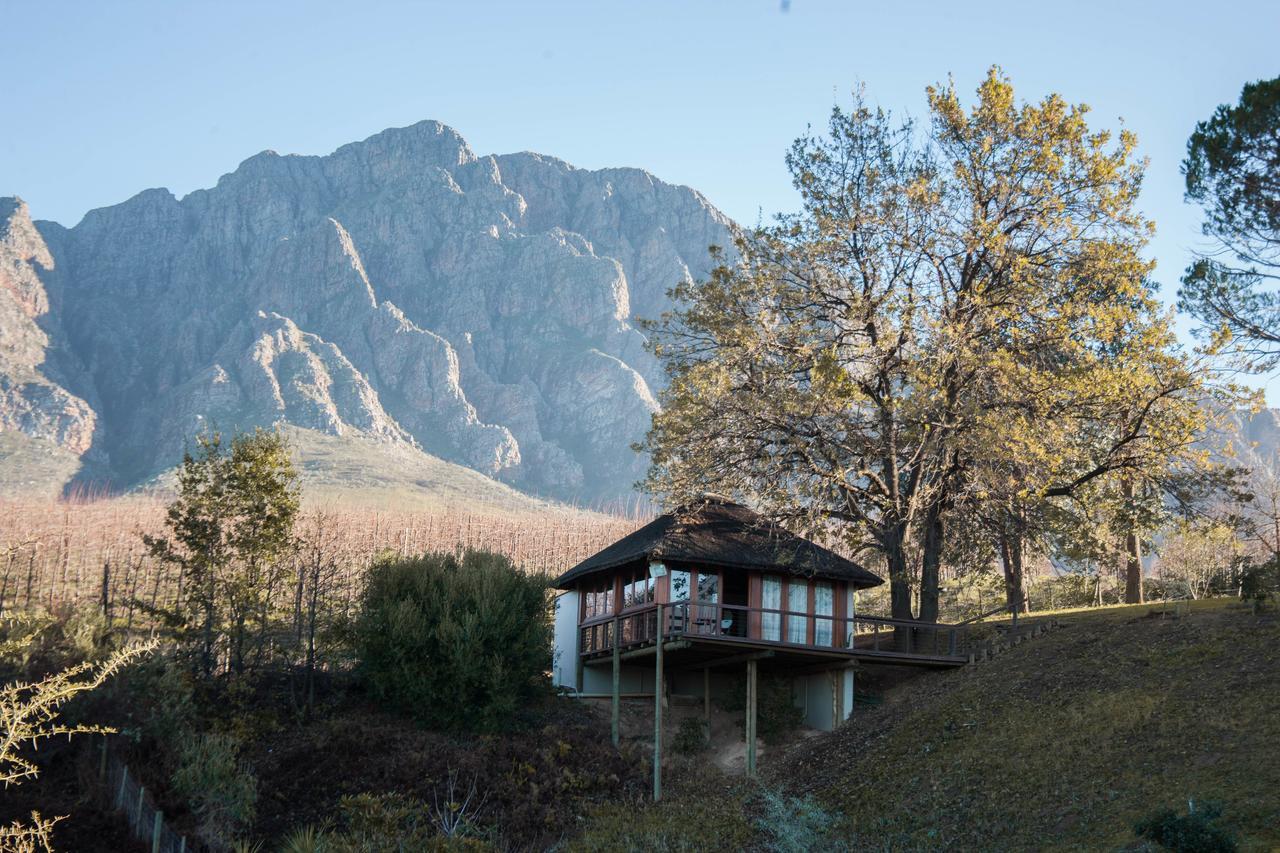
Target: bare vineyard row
point(63, 554)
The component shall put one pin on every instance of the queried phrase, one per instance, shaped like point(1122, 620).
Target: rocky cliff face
point(401, 289)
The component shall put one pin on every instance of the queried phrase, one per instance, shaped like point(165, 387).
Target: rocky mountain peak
point(401, 289)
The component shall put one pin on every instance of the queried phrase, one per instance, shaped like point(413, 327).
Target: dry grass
point(60, 554)
point(1064, 742)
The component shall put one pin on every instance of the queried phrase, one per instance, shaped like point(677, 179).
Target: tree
point(958, 318)
point(230, 528)
point(1232, 169)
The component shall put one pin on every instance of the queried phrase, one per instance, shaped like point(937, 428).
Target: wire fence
point(121, 792)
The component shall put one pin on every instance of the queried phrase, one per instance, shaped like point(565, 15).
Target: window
point(797, 602)
point(679, 585)
point(823, 605)
point(771, 599)
point(637, 589)
point(708, 588)
point(598, 599)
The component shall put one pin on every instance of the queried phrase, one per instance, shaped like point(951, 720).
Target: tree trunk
point(1133, 553)
point(899, 577)
point(931, 564)
point(1014, 578)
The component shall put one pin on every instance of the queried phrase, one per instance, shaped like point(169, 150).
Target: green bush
point(690, 737)
point(458, 643)
point(1195, 832)
point(217, 787)
point(796, 824)
point(776, 712)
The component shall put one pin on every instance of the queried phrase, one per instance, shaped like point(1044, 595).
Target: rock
point(31, 399)
point(401, 288)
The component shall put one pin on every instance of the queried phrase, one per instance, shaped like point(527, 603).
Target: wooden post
point(617, 684)
point(124, 781)
point(751, 718)
point(657, 711)
point(837, 697)
point(155, 831)
point(137, 818)
point(102, 765)
point(706, 703)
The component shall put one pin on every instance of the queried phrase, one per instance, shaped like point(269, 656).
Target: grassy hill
point(1059, 743)
point(1062, 743)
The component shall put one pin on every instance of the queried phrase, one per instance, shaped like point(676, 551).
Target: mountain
point(401, 291)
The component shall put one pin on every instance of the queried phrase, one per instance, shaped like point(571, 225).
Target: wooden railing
point(772, 626)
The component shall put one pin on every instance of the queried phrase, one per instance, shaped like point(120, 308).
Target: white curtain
point(771, 599)
point(797, 602)
point(823, 605)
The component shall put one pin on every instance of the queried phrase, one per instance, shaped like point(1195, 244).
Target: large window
point(823, 605)
point(771, 599)
point(598, 599)
point(797, 602)
point(708, 587)
point(637, 589)
point(680, 585)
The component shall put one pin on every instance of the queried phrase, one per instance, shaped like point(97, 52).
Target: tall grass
point(77, 552)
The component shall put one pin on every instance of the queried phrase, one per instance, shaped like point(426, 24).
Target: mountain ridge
point(478, 308)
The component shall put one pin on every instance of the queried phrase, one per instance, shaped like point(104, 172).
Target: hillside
point(402, 290)
point(1065, 741)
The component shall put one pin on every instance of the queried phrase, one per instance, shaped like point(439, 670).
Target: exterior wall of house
point(564, 655)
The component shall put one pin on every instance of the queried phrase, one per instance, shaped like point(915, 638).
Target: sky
point(103, 100)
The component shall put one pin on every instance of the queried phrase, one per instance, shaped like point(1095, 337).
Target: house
point(726, 590)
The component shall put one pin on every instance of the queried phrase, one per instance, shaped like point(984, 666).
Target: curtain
point(771, 599)
point(823, 605)
point(797, 602)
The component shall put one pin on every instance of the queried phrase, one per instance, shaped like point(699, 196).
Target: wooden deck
point(701, 634)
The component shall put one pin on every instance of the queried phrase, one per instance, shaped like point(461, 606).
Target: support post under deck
point(617, 685)
point(657, 710)
point(751, 717)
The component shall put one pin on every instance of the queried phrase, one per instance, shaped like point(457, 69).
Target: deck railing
point(772, 626)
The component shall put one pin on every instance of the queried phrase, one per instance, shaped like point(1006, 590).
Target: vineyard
point(57, 555)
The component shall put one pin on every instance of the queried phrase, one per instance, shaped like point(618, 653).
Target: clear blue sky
point(103, 99)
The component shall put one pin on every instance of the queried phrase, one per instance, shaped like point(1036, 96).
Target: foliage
point(957, 327)
point(1231, 169)
point(1195, 832)
point(1201, 556)
point(690, 737)
point(777, 715)
point(686, 821)
point(388, 822)
point(219, 789)
point(796, 824)
point(459, 642)
point(230, 529)
point(29, 715)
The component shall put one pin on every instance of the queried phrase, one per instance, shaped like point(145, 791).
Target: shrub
point(690, 737)
point(796, 824)
point(1195, 832)
point(220, 791)
point(458, 643)
point(776, 712)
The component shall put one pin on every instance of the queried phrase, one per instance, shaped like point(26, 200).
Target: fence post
point(124, 781)
point(156, 827)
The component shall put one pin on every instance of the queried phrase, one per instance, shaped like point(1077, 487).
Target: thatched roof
point(718, 532)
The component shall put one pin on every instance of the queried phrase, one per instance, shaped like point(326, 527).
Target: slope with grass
point(1066, 741)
